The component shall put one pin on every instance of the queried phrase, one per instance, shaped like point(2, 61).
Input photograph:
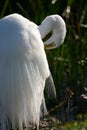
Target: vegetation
point(68, 63)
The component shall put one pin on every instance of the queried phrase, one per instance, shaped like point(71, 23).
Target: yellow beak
point(49, 46)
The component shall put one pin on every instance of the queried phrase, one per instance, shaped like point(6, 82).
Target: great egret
point(24, 67)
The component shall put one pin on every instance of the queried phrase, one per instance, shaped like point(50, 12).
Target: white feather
point(23, 71)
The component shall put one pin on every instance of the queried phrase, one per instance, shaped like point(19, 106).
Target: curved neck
point(45, 27)
point(56, 25)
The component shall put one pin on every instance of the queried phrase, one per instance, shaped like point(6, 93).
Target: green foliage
point(76, 125)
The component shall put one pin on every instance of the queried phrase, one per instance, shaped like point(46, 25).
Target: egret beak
point(49, 46)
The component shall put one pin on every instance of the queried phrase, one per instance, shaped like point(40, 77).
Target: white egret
point(24, 67)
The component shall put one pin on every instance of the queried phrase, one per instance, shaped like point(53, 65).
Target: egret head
point(56, 25)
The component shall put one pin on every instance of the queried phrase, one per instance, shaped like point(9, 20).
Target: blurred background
point(68, 63)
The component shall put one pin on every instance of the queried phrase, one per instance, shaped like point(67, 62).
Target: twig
point(83, 25)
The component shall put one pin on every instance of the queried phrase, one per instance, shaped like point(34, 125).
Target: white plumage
point(24, 67)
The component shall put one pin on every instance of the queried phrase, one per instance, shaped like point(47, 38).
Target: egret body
point(24, 67)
